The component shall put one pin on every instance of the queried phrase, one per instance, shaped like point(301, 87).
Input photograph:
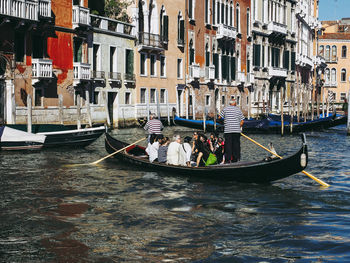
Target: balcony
point(331, 84)
point(150, 41)
point(115, 77)
point(194, 72)
point(23, 9)
point(41, 69)
point(275, 28)
point(111, 25)
point(81, 72)
point(226, 32)
point(304, 61)
point(129, 78)
point(44, 8)
point(277, 72)
point(98, 75)
point(210, 73)
point(81, 16)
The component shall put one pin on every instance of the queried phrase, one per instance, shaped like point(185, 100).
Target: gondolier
point(233, 121)
point(154, 127)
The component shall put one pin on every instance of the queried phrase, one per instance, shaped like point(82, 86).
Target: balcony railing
point(45, 8)
point(129, 78)
point(112, 25)
point(19, 8)
point(331, 84)
point(81, 71)
point(115, 76)
point(41, 68)
point(148, 40)
point(194, 71)
point(81, 16)
point(210, 72)
point(227, 32)
point(98, 74)
point(277, 72)
point(304, 60)
point(274, 27)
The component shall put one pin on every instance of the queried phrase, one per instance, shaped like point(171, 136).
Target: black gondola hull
point(246, 172)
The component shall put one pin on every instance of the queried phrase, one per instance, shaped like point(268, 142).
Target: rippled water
point(51, 212)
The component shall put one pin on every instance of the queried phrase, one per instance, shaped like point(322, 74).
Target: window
point(238, 18)
point(153, 65)
point(238, 99)
point(38, 100)
point(38, 46)
point(96, 58)
point(129, 61)
point(328, 51)
point(343, 51)
point(343, 75)
point(191, 52)
point(275, 57)
point(191, 9)
point(152, 97)
point(342, 96)
point(179, 68)
point(327, 76)
point(77, 49)
point(292, 61)
point(113, 59)
point(213, 12)
point(321, 51)
point(162, 66)
point(162, 96)
point(164, 25)
point(127, 97)
point(223, 100)
point(207, 100)
point(334, 53)
point(180, 31)
point(143, 68)
point(256, 55)
point(95, 97)
point(207, 20)
point(248, 22)
point(333, 76)
point(286, 59)
point(142, 95)
point(207, 56)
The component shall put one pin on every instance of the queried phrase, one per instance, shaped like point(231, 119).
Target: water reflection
point(114, 213)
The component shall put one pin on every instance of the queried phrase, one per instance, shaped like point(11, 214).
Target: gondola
point(260, 172)
point(271, 124)
point(14, 140)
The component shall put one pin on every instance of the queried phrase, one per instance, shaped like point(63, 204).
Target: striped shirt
point(154, 126)
point(232, 119)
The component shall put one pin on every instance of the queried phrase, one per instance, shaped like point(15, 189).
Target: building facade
point(334, 45)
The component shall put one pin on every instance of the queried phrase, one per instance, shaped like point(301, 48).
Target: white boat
point(12, 139)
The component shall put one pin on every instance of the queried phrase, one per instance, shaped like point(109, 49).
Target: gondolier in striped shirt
point(154, 127)
point(233, 121)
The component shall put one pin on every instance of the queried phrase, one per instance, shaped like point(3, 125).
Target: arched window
point(333, 76)
point(180, 30)
point(343, 75)
point(238, 18)
point(191, 52)
point(321, 51)
point(248, 22)
point(343, 51)
point(334, 53)
point(207, 55)
point(231, 14)
point(327, 76)
point(164, 24)
point(328, 53)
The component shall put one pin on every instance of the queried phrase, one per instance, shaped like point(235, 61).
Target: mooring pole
point(348, 125)
point(29, 113)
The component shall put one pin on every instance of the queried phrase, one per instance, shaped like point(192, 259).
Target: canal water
point(114, 212)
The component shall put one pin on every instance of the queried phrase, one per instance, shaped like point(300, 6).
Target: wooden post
point(282, 117)
point(186, 93)
point(327, 103)
point(167, 106)
point(312, 103)
point(298, 102)
point(158, 105)
point(323, 102)
point(204, 119)
point(318, 104)
point(348, 124)
point(60, 108)
point(147, 103)
point(29, 113)
point(78, 111)
point(105, 99)
point(88, 108)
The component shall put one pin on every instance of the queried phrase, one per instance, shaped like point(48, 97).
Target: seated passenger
point(203, 150)
point(153, 149)
point(186, 152)
point(219, 150)
point(173, 155)
point(195, 146)
point(163, 150)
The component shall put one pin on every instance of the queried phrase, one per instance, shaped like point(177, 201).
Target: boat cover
point(13, 135)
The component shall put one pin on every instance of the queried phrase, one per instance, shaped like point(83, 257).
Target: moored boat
point(12, 139)
point(263, 171)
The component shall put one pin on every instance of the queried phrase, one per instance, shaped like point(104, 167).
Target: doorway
point(111, 99)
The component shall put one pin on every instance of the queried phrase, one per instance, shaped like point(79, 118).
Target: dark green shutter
point(292, 61)
point(191, 56)
point(273, 57)
point(130, 62)
point(286, 59)
point(213, 11)
point(258, 55)
point(207, 59)
point(182, 31)
point(165, 28)
point(216, 63)
point(233, 68)
point(223, 67)
point(190, 9)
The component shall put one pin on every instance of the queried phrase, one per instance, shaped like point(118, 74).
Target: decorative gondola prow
point(303, 138)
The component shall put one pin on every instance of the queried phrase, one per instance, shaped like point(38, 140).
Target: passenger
point(212, 141)
point(195, 146)
point(173, 154)
point(203, 151)
point(186, 152)
point(219, 150)
point(163, 150)
point(153, 149)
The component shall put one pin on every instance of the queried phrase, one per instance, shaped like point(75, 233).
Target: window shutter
point(182, 31)
point(292, 61)
point(233, 68)
point(190, 9)
point(258, 56)
point(207, 59)
point(223, 67)
point(130, 62)
point(191, 56)
point(165, 28)
point(216, 63)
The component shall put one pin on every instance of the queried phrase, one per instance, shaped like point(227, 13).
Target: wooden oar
point(304, 172)
point(109, 155)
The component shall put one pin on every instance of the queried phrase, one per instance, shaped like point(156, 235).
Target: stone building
point(334, 46)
